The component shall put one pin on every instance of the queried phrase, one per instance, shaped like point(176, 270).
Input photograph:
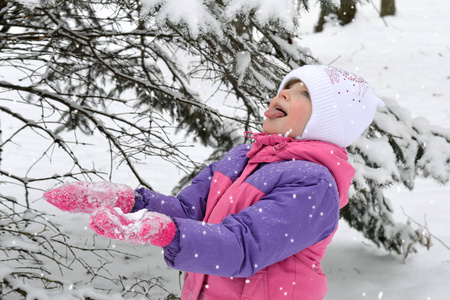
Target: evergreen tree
point(133, 72)
point(127, 72)
point(395, 149)
point(85, 61)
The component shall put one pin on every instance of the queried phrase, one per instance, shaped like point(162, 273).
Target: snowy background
point(405, 57)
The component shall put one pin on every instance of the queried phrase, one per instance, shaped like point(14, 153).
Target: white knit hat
point(343, 104)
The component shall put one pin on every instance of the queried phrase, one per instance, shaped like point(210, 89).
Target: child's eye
point(306, 94)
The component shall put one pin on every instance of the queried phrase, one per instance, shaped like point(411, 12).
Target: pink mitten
point(87, 196)
point(141, 227)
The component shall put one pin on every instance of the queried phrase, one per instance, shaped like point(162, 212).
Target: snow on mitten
point(141, 227)
point(87, 196)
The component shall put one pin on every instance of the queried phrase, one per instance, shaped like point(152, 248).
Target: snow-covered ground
point(405, 57)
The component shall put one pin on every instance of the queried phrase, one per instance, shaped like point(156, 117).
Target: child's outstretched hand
point(142, 227)
point(87, 196)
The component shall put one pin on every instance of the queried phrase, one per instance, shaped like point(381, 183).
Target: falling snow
point(372, 37)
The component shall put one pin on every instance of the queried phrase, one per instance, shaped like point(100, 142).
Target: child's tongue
point(273, 113)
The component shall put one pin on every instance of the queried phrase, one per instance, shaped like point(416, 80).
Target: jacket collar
point(272, 148)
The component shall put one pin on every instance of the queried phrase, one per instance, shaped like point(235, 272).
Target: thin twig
point(425, 226)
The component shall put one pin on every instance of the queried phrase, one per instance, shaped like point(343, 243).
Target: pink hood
point(333, 157)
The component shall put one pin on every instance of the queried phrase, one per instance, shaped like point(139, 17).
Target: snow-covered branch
point(395, 149)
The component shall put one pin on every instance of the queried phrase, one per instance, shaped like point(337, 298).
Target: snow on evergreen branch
point(203, 17)
point(395, 149)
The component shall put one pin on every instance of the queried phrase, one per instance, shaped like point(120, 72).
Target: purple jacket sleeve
point(190, 203)
point(282, 223)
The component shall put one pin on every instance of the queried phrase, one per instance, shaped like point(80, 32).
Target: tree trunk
point(387, 8)
point(345, 14)
point(347, 11)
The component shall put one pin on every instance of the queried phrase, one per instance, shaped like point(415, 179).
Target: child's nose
point(284, 94)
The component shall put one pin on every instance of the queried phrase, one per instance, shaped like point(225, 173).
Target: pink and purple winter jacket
point(255, 225)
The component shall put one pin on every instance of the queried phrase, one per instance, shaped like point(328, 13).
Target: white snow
point(5, 270)
point(18, 243)
point(243, 60)
point(407, 60)
point(265, 10)
point(193, 13)
point(30, 3)
point(199, 18)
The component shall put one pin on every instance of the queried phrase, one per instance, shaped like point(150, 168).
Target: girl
point(255, 224)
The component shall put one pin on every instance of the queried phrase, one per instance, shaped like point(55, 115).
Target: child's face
point(289, 111)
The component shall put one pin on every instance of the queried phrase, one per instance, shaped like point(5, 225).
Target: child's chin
point(269, 128)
